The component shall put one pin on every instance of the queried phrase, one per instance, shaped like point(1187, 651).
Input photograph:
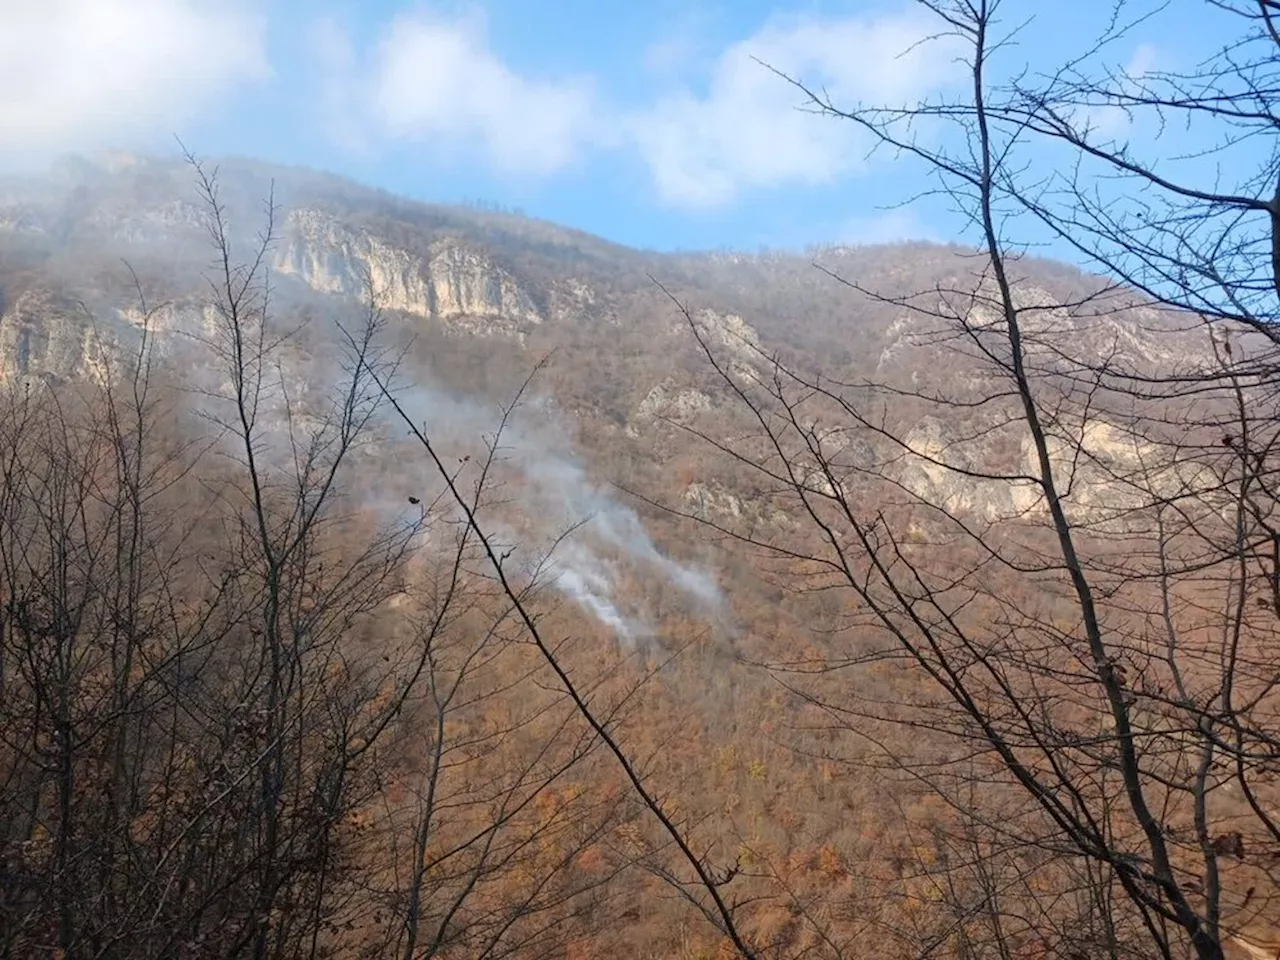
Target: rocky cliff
point(451, 281)
point(488, 295)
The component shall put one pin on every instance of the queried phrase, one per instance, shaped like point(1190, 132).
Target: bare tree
point(706, 890)
point(1070, 538)
point(217, 666)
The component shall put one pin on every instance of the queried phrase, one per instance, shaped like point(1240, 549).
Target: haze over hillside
point(389, 579)
point(620, 489)
point(483, 294)
point(479, 298)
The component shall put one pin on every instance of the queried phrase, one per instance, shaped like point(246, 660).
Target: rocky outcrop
point(734, 341)
point(50, 334)
point(189, 317)
point(455, 282)
point(438, 265)
point(176, 221)
point(715, 503)
point(713, 499)
point(44, 334)
point(668, 402)
point(1054, 336)
point(20, 219)
point(1103, 472)
point(574, 301)
point(466, 284)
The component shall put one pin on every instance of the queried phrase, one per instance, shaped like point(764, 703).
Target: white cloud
point(683, 46)
point(745, 131)
point(671, 54)
point(1109, 121)
point(888, 226)
point(435, 80)
point(336, 106)
point(1144, 61)
point(81, 74)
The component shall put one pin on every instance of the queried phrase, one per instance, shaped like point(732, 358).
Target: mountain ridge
point(478, 296)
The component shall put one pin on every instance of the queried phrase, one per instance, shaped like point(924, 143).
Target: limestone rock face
point(714, 499)
point(730, 331)
point(730, 336)
point(455, 282)
point(18, 218)
point(43, 334)
point(916, 345)
point(625, 354)
point(1102, 470)
point(574, 301)
point(174, 221)
point(670, 402)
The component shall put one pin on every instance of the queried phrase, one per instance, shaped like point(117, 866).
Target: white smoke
point(545, 491)
point(582, 578)
point(607, 531)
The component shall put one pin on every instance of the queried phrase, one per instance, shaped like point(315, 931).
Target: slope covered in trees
point(389, 580)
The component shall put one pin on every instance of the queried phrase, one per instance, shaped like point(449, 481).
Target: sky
point(651, 123)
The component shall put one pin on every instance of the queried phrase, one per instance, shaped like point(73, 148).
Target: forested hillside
point(383, 579)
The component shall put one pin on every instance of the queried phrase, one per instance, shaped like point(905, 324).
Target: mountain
point(484, 295)
point(632, 492)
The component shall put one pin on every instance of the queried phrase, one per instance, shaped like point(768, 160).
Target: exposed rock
point(456, 282)
point(20, 219)
point(931, 471)
point(49, 334)
point(666, 401)
point(729, 330)
point(713, 499)
point(1101, 471)
point(713, 502)
point(730, 334)
point(574, 301)
point(45, 334)
point(438, 264)
point(901, 335)
point(465, 283)
point(1054, 336)
point(173, 221)
point(186, 317)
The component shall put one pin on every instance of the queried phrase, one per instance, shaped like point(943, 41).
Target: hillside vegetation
point(391, 580)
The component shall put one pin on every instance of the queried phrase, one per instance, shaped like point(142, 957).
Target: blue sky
point(647, 123)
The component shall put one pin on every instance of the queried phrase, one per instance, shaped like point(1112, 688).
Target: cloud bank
point(745, 131)
point(435, 80)
point(85, 74)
